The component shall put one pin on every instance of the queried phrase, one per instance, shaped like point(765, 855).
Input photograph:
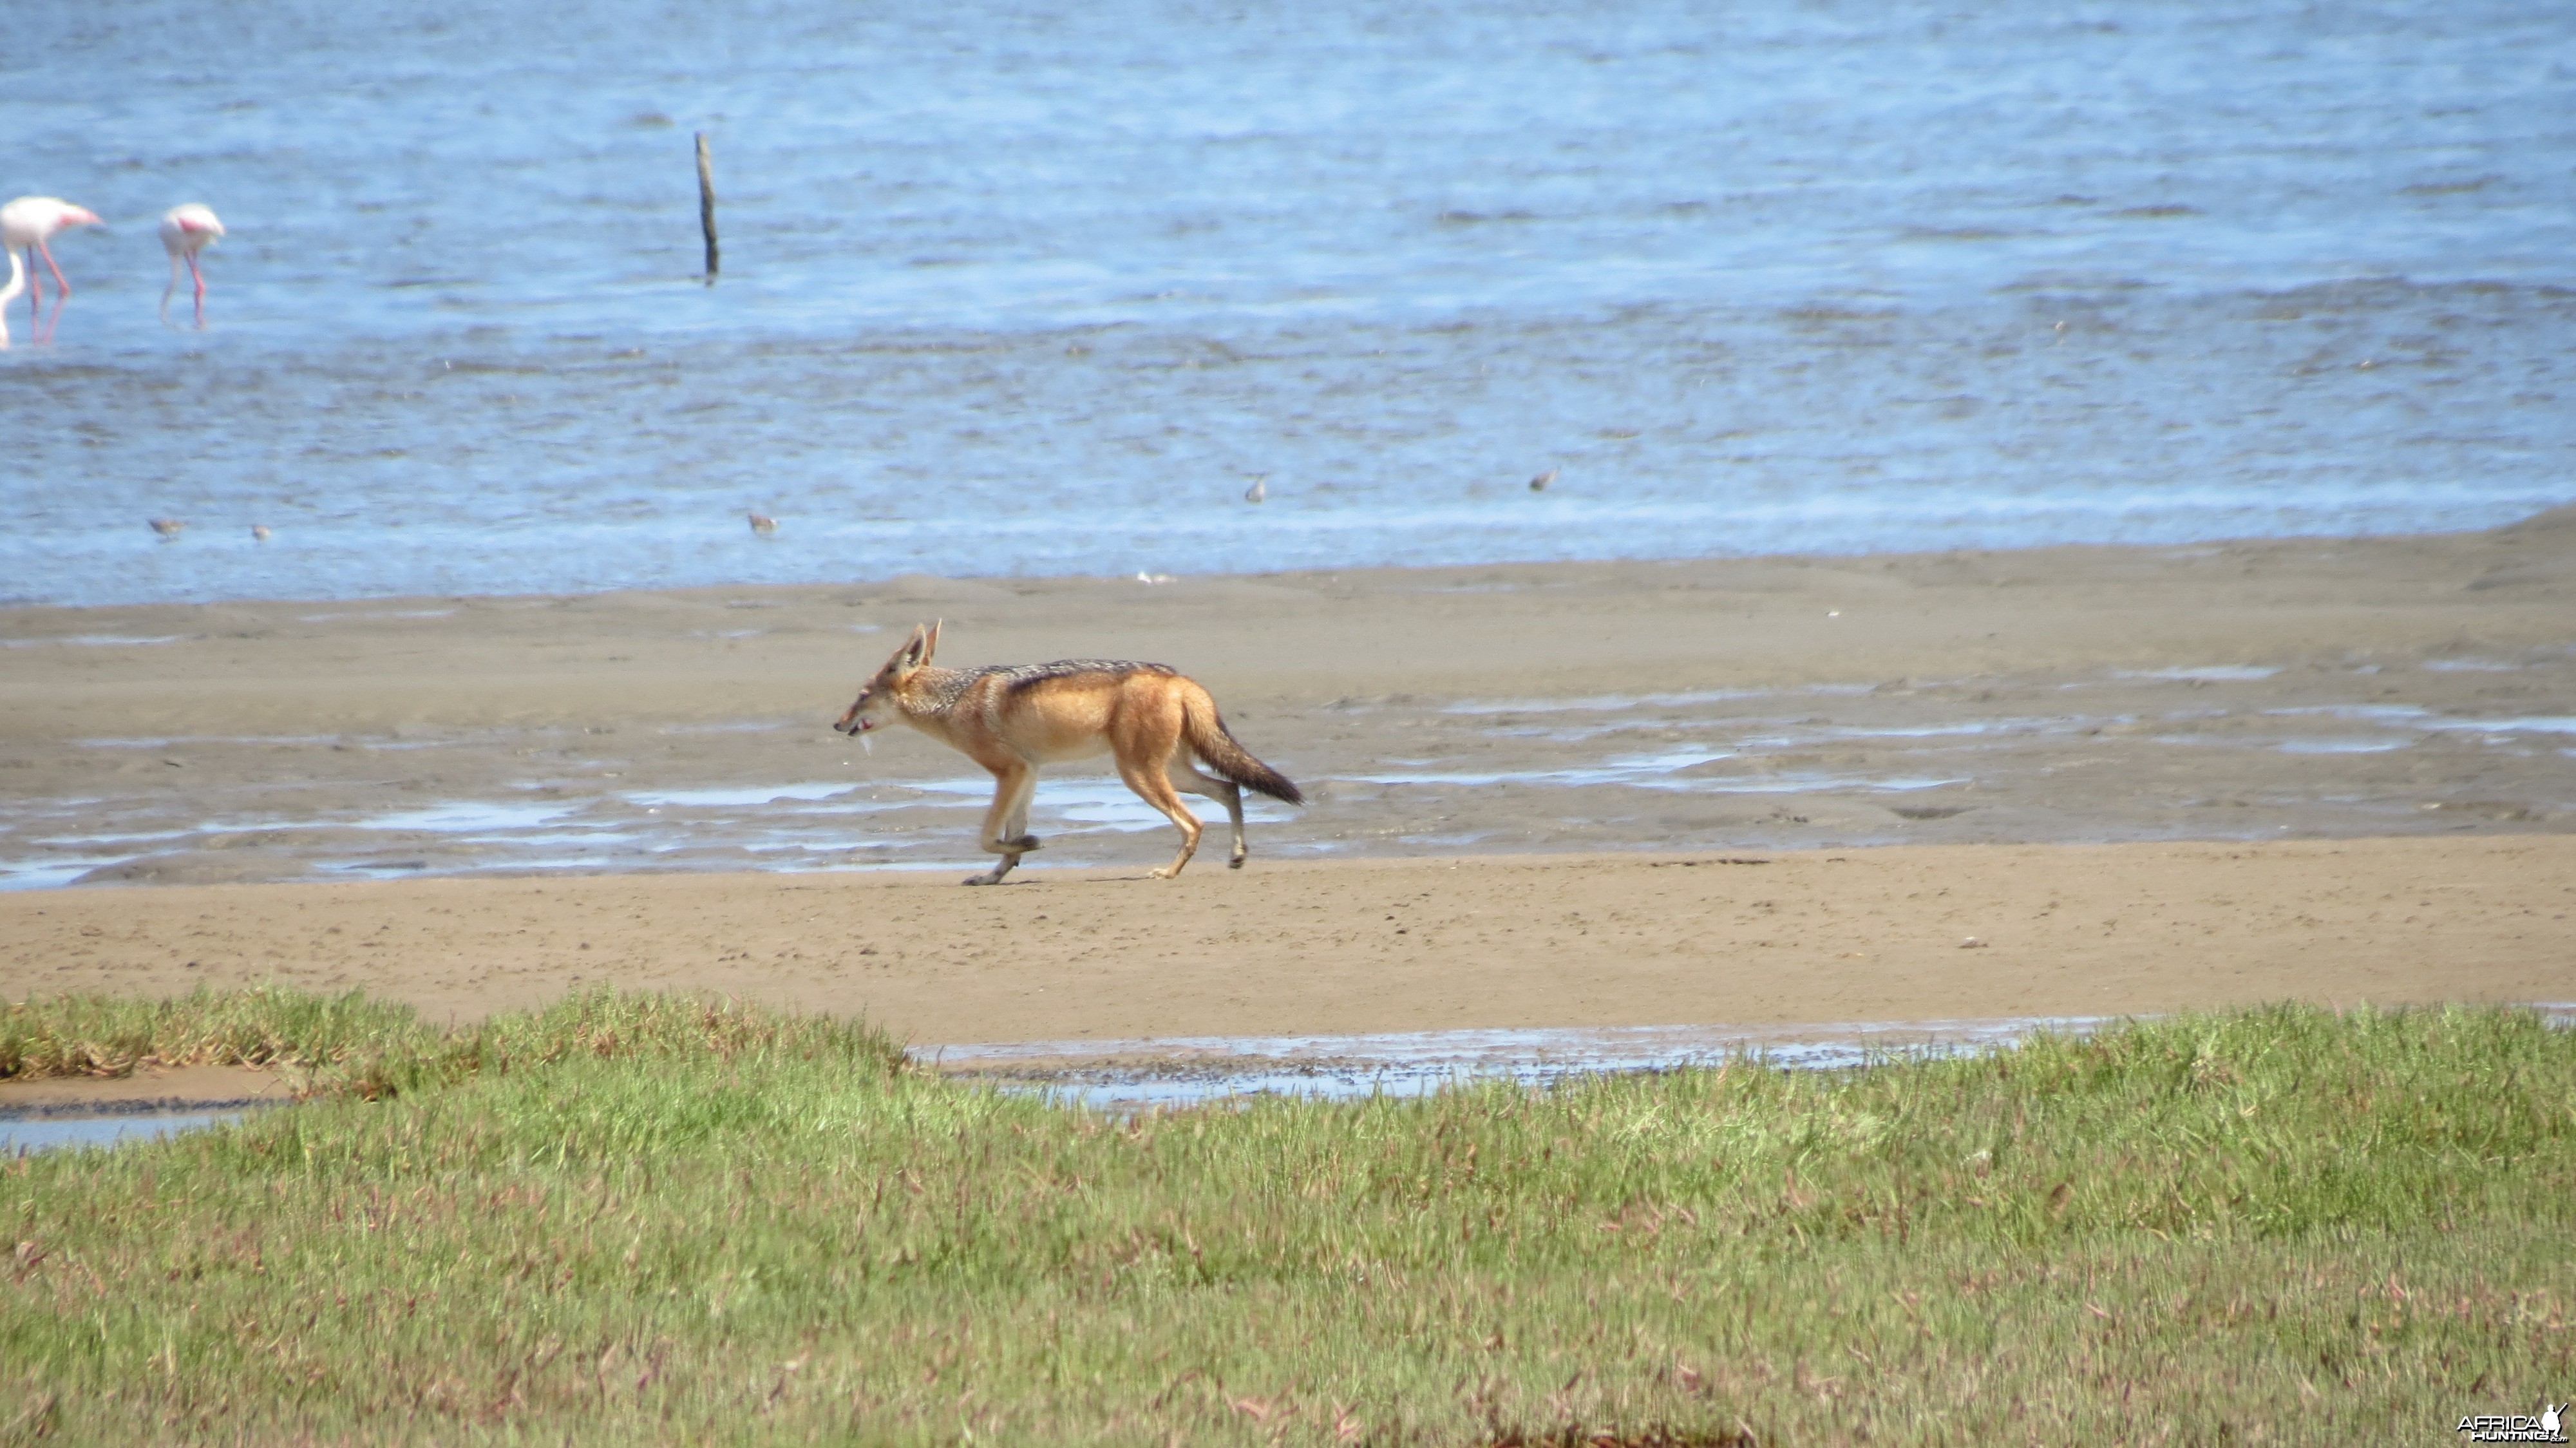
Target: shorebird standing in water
point(259, 532)
point(1539, 484)
point(186, 231)
point(763, 524)
point(27, 224)
point(167, 527)
point(1259, 490)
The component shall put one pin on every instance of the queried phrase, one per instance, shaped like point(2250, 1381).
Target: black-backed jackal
point(1013, 718)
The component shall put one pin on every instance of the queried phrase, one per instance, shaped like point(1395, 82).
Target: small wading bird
point(186, 231)
point(167, 527)
point(1259, 490)
point(1539, 484)
point(259, 532)
point(27, 224)
point(763, 524)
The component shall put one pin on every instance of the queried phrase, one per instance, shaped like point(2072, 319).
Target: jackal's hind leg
point(1006, 821)
point(1154, 787)
point(1224, 791)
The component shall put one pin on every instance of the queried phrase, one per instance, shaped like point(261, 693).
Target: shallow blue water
point(1009, 290)
point(1184, 1071)
point(20, 1134)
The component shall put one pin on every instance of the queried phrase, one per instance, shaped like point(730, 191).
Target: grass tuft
point(348, 1044)
point(265, 1026)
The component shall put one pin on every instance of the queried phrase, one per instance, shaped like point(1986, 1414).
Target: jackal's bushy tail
point(1205, 730)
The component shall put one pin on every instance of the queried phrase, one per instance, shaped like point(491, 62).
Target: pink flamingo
point(27, 224)
point(186, 231)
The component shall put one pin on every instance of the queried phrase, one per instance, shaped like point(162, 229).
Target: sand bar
point(1373, 946)
point(2304, 688)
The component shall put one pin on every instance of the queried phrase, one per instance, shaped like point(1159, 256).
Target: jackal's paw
point(1161, 873)
point(1235, 864)
point(994, 878)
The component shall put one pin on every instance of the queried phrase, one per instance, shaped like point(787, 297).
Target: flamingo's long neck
point(9, 293)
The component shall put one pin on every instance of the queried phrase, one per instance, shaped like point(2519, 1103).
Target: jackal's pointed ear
point(930, 645)
point(914, 653)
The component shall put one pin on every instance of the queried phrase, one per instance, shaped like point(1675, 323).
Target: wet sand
point(2372, 741)
point(2293, 689)
point(150, 1090)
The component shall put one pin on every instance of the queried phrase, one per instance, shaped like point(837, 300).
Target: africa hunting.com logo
point(2516, 1427)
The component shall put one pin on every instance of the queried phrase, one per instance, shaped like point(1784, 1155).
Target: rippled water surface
point(1010, 289)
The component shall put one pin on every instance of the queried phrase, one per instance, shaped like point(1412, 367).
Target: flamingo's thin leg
point(63, 289)
point(200, 279)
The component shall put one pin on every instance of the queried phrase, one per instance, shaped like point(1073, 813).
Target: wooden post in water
point(707, 204)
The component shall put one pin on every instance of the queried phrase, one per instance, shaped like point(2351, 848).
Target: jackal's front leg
point(1006, 822)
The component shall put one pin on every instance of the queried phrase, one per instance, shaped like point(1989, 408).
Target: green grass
point(644, 1218)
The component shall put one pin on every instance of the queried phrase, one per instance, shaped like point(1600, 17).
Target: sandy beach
point(2142, 778)
point(1786, 940)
